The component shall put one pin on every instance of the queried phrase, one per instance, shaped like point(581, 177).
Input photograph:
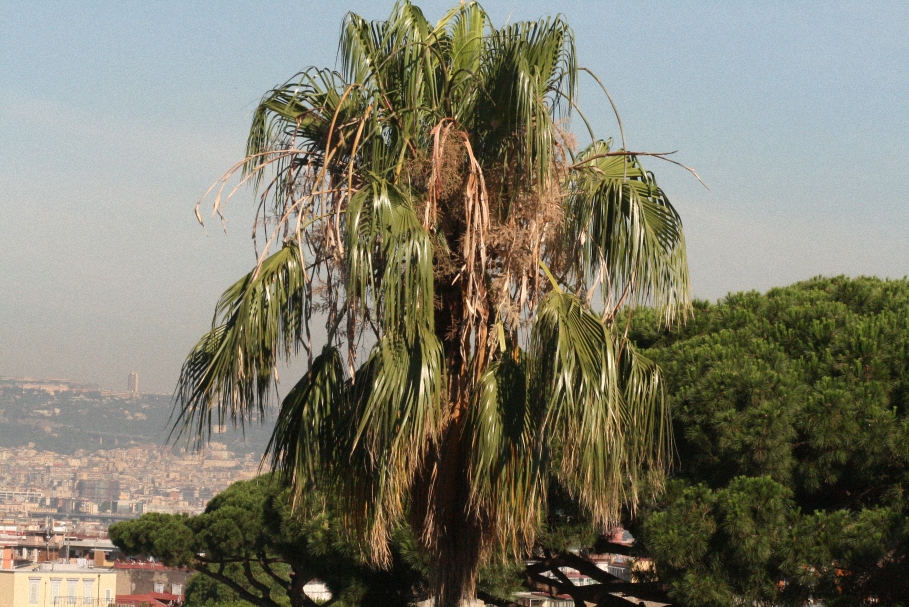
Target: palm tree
point(475, 274)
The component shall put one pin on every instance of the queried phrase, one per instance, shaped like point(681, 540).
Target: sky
point(115, 118)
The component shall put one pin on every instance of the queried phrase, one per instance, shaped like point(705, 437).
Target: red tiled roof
point(152, 599)
point(137, 600)
point(143, 565)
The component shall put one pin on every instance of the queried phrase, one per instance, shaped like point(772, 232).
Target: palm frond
point(311, 431)
point(389, 259)
point(630, 236)
point(508, 455)
point(259, 320)
point(606, 411)
point(397, 419)
point(650, 445)
point(529, 73)
point(460, 34)
point(298, 112)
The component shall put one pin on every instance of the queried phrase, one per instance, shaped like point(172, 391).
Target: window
point(159, 586)
point(55, 591)
point(71, 591)
point(107, 596)
point(33, 586)
point(88, 591)
point(176, 589)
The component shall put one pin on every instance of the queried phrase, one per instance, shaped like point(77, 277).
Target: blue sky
point(115, 117)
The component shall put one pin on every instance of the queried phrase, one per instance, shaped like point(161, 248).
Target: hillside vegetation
point(791, 421)
point(68, 422)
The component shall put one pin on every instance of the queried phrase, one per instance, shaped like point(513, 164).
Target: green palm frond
point(365, 437)
point(397, 417)
point(259, 320)
point(509, 456)
point(529, 75)
point(649, 446)
point(313, 422)
point(606, 408)
point(629, 233)
point(395, 63)
point(461, 37)
point(399, 412)
point(389, 259)
point(299, 115)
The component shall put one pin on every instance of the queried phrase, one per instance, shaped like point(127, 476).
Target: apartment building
point(57, 585)
point(139, 578)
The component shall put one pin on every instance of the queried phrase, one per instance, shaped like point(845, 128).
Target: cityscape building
point(144, 577)
point(75, 459)
point(132, 382)
point(115, 484)
point(48, 584)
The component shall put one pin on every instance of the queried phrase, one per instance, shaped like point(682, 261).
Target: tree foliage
point(428, 204)
point(251, 546)
point(791, 417)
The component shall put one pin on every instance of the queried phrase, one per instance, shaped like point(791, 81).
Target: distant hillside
point(70, 420)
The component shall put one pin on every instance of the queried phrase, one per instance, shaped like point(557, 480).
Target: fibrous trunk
point(450, 530)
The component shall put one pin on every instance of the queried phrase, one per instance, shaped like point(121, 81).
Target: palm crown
point(428, 205)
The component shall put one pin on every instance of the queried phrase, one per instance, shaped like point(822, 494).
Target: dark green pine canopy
point(791, 418)
point(429, 206)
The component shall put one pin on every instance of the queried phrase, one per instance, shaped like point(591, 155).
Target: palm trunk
point(451, 533)
point(449, 530)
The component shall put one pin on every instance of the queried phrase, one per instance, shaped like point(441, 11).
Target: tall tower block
point(132, 384)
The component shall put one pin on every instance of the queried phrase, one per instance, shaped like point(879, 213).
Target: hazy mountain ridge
point(66, 421)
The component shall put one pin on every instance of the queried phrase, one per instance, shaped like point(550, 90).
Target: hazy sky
point(116, 117)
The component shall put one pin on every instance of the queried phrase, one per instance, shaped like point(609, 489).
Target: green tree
point(791, 417)
point(428, 204)
point(204, 591)
point(250, 545)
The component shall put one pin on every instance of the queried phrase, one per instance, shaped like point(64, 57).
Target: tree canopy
point(428, 205)
point(791, 417)
point(251, 545)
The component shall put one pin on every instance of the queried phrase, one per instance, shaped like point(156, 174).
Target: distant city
point(73, 452)
point(54, 386)
point(123, 481)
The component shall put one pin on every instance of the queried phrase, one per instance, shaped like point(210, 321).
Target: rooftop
point(141, 565)
point(63, 568)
